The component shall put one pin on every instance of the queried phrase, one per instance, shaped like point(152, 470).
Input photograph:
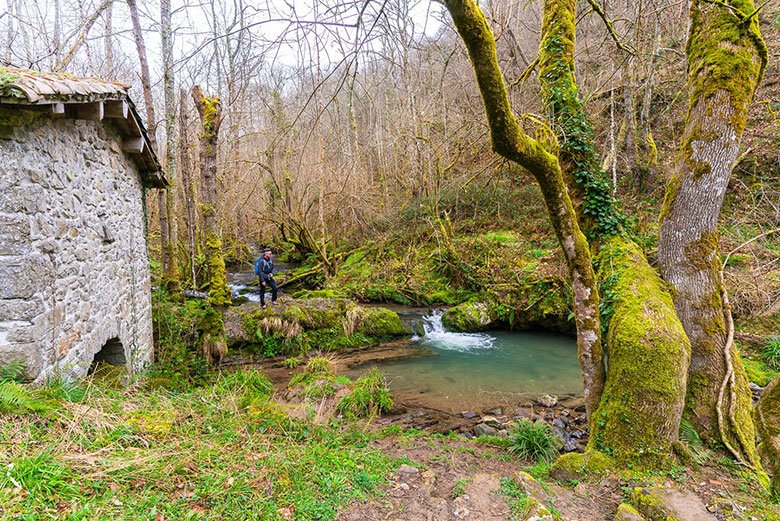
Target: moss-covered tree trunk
point(767, 417)
point(512, 143)
point(210, 110)
point(726, 57)
point(640, 411)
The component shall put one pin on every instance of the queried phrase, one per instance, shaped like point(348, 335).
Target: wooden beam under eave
point(116, 109)
point(133, 145)
point(89, 111)
point(133, 128)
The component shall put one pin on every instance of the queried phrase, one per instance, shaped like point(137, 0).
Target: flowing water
point(459, 370)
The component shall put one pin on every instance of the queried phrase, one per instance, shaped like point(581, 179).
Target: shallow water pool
point(456, 371)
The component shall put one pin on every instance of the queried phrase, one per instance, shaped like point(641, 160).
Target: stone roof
point(65, 95)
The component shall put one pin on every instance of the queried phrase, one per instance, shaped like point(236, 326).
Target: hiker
point(264, 269)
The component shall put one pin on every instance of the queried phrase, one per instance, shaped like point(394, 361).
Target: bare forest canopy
point(336, 115)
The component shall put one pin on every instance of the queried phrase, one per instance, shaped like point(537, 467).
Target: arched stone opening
point(112, 352)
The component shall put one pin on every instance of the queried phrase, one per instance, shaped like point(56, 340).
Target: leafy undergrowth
point(222, 451)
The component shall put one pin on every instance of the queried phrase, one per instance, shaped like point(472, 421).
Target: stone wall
point(74, 270)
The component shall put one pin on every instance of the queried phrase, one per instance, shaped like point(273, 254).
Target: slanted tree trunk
point(188, 187)
point(151, 125)
point(170, 266)
point(512, 143)
point(210, 110)
point(726, 57)
point(767, 417)
point(639, 415)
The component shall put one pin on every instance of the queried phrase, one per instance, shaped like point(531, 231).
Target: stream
point(453, 372)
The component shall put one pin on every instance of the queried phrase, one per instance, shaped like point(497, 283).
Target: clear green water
point(456, 371)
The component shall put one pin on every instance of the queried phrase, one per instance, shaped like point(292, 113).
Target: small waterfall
point(436, 336)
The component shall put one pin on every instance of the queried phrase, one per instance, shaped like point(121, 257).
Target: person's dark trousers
point(274, 290)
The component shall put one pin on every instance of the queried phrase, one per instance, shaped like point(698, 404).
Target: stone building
point(75, 162)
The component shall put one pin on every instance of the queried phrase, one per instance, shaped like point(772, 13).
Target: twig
point(610, 28)
point(728, 256)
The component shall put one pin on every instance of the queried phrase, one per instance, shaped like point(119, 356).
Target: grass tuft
point(370, 396)
point(534, 441)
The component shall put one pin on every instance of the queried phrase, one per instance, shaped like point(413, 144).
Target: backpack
point(257, 266)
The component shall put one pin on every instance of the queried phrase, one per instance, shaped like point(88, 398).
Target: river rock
point(407, 469)
point(492, 421)
point(469, 414)
point(481, 429)
point(523, 413)
point(558, 422)
point(570, 445)
point(756, 390)
point(548, 401)
point(494, 411)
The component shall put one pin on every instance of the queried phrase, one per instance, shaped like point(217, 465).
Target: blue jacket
point(264, 268)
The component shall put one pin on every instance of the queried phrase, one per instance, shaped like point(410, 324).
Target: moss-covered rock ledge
point(295, 326)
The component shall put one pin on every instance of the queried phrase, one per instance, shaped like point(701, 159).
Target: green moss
point(702, 253)
point(725, 54)
point(650, 504)
point(219, 292)
point(626, 512)
point(672, 190)
point(647, 346)
point(575, 466)
point(319, 293)
point(298, 326)
point(210, 107)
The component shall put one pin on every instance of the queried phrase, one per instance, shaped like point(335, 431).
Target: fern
point(13, 370)
point(691, 438)
point(16, 398)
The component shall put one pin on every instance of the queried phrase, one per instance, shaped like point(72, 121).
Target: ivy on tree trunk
point(511, 142)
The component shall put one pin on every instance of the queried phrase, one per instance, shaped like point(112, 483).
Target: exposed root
point(729, 381)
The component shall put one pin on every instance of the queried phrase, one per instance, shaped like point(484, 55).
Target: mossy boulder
point(767, 417)
point(669, 504)
point(299, 325)
point(381, 323)
point(576, 466)
point(469, 316)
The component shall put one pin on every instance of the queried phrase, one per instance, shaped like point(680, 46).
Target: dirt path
point(453, 480)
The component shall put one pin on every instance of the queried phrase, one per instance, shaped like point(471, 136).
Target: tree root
point(729, 381)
